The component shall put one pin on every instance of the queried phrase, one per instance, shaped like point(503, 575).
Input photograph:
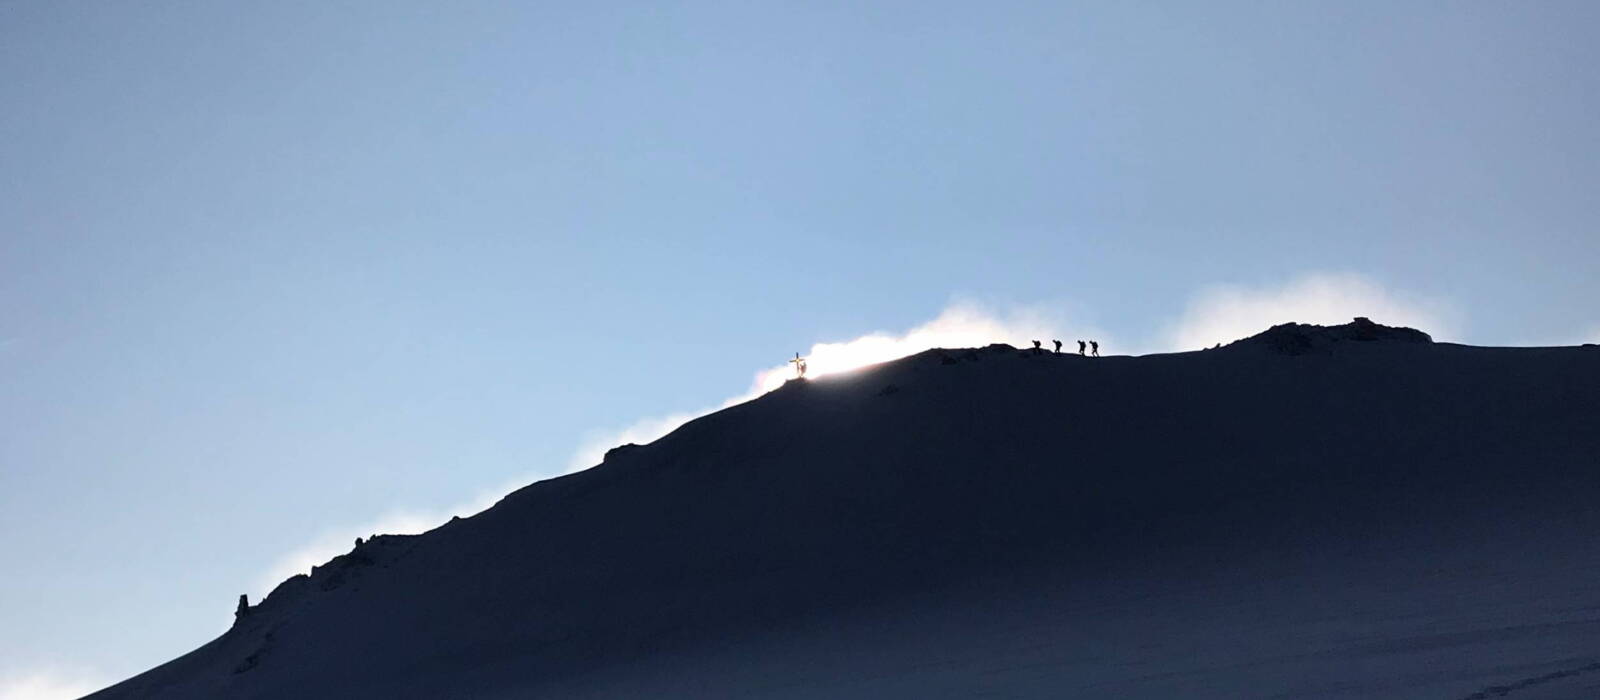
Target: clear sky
point(273, 275)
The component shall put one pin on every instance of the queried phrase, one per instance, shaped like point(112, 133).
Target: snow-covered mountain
point(1313, 512)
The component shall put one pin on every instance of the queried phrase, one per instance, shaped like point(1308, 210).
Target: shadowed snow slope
point(1350, 511)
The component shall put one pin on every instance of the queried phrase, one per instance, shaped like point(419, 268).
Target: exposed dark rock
point(243, 610)
point(1301, 338)
point(619, 451)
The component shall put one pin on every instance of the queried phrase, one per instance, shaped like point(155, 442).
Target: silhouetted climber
point(1036, 349)
point(799, 366)
point(1058, 346)
point(1080, 347)
point(1095, 347)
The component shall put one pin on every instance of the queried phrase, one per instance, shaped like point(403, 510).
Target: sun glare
point(957, 327)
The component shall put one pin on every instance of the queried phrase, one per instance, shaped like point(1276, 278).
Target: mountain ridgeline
point(1344, 511)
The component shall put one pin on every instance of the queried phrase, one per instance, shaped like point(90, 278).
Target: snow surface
point(1346, 512)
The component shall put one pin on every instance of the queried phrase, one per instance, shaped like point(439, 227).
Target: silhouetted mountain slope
point(1351, 511)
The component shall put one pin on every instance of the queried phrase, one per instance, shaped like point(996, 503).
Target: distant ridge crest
point(1300, 338)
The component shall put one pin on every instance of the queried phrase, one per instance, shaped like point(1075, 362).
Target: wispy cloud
point(594, 445)
point(338, 540)
point(962, 324)
point(49, 685)
point(1217, 314)
point(1225, 313)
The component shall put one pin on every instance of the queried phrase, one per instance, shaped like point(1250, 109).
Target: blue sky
point(272, 275)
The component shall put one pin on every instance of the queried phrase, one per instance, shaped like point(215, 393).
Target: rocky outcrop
point(1302, 338)
point(243, 610)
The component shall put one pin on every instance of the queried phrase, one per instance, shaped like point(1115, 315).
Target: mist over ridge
point(942, 508)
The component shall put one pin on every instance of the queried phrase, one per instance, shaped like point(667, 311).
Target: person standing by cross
point(799, 366)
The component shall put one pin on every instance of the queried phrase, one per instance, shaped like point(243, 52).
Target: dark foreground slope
point(1344, 512)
